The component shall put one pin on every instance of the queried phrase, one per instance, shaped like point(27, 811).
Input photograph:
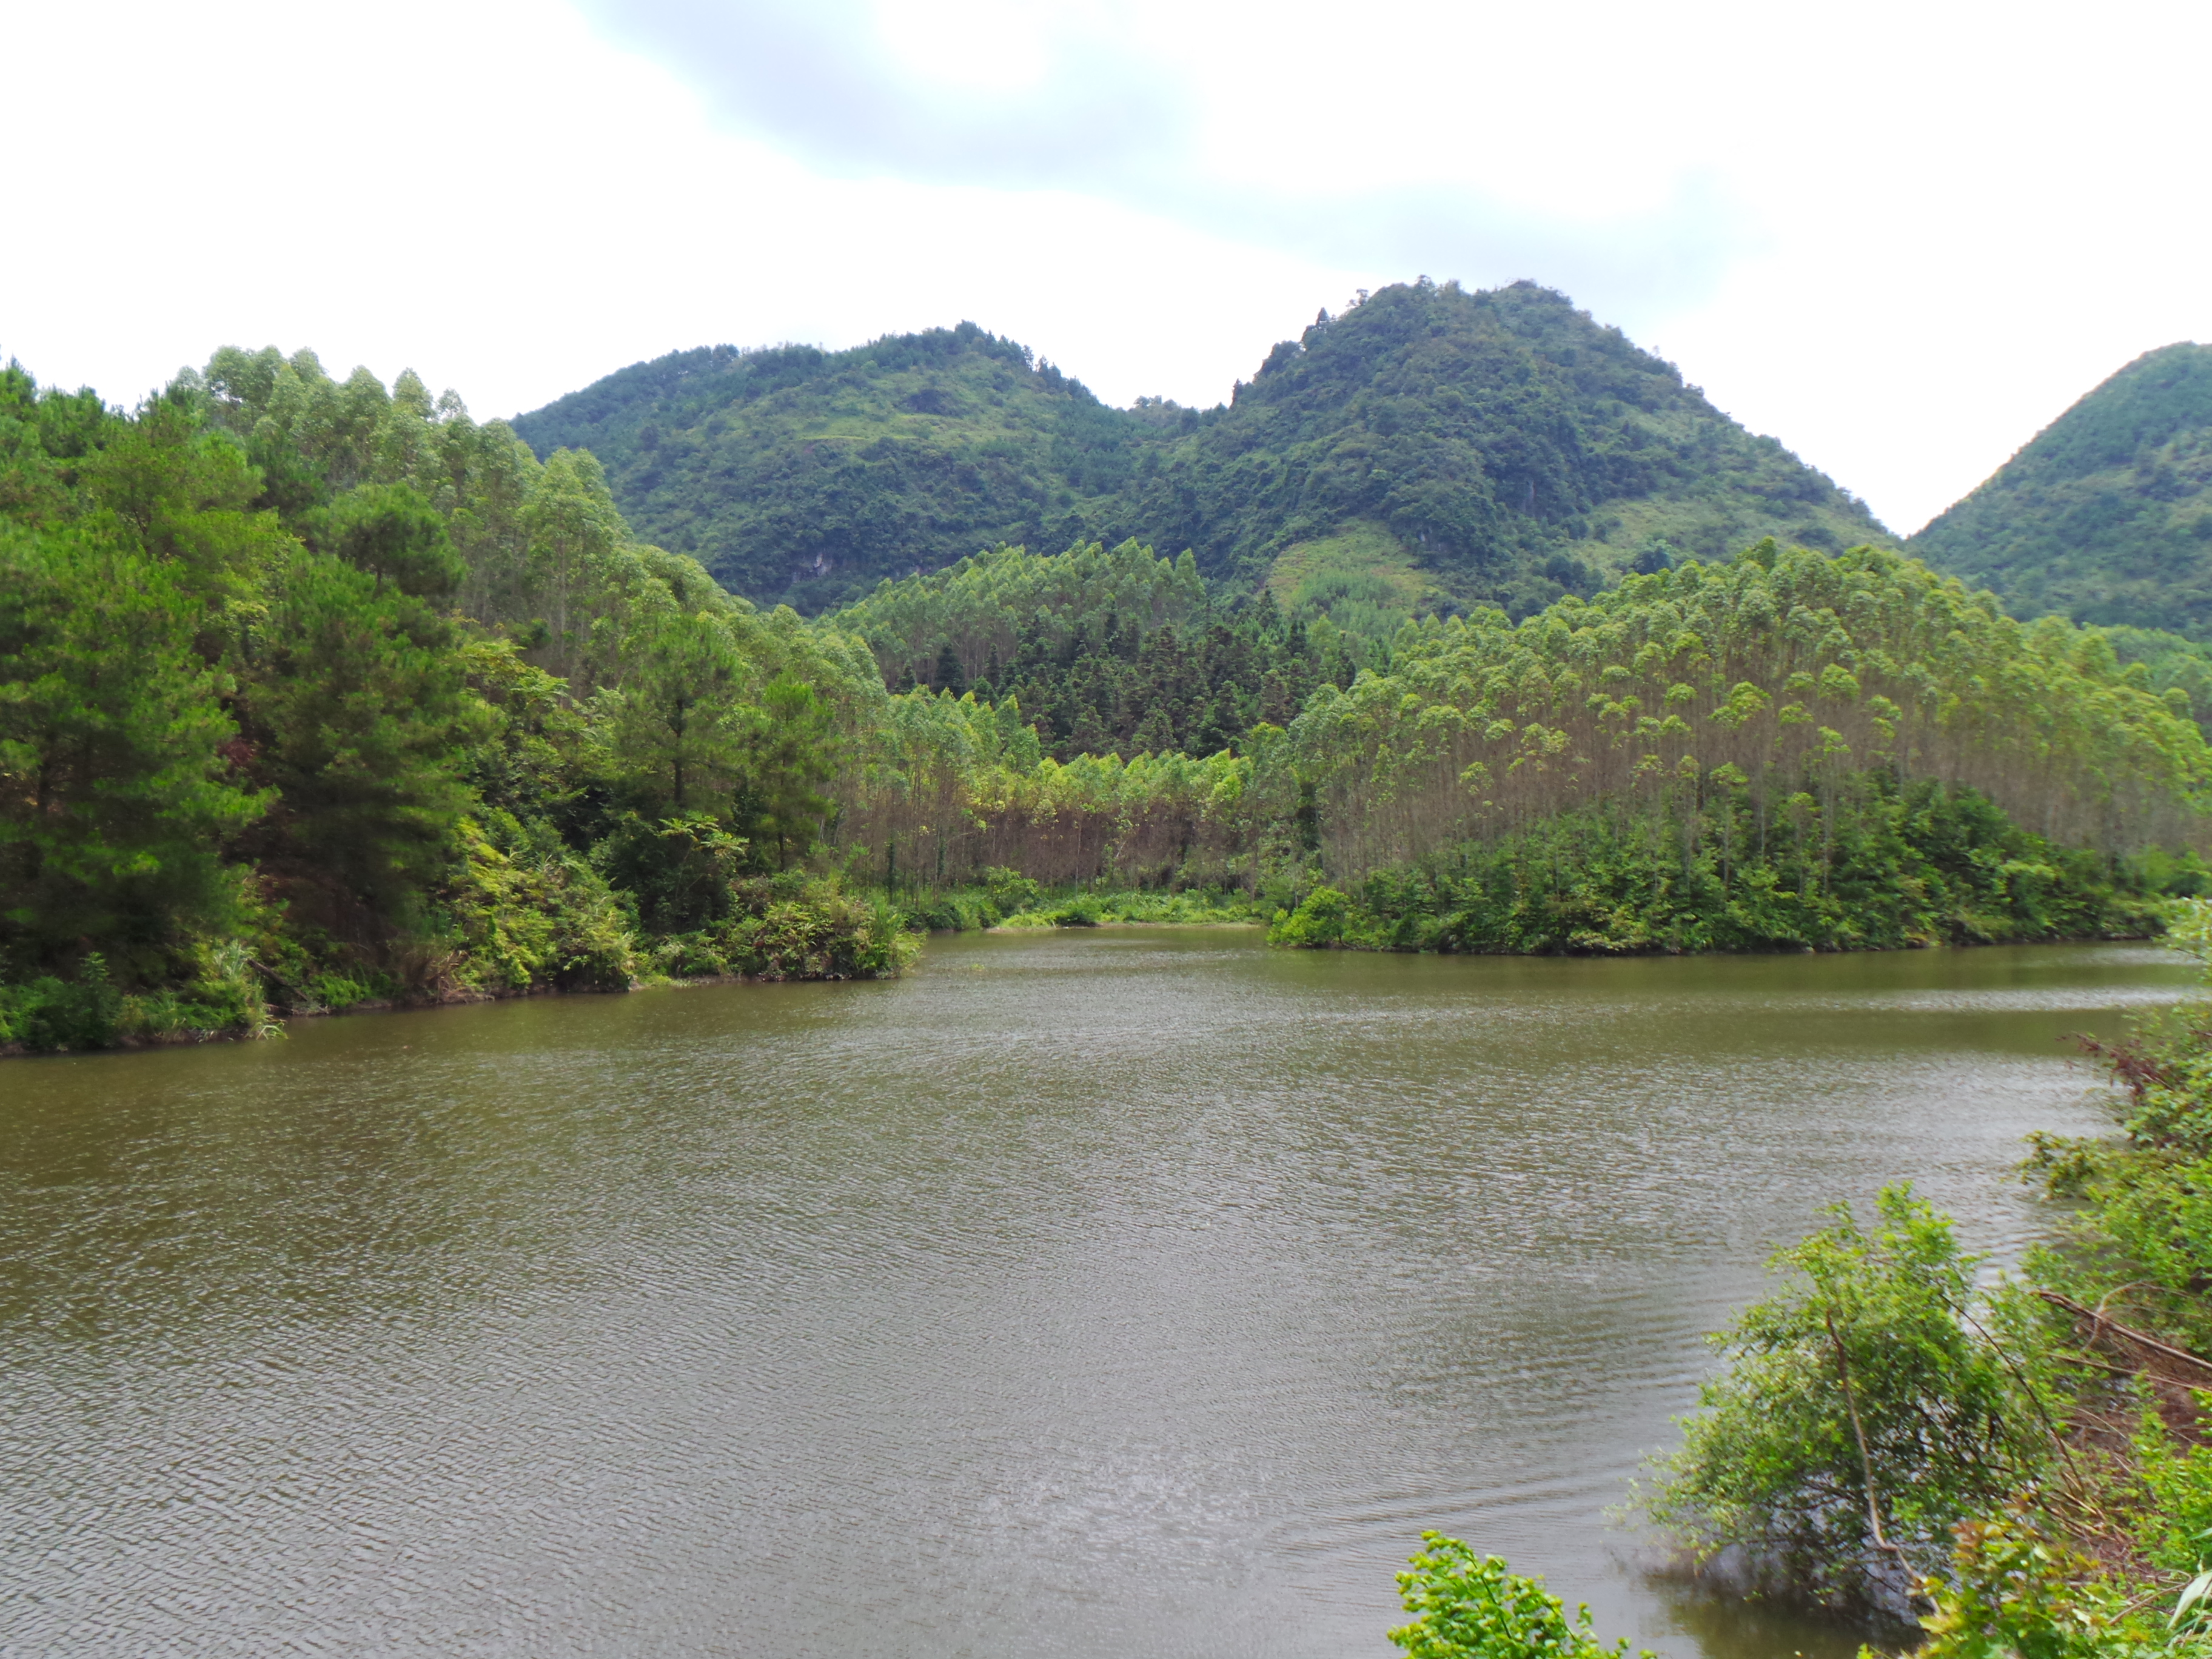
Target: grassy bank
point(1007, 899)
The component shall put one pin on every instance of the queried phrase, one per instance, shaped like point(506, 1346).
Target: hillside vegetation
point(314, 691)
point(1430, 448)
point(803, 476)
point(2105, 516)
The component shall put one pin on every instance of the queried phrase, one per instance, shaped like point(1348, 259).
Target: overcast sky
point(1898, 237)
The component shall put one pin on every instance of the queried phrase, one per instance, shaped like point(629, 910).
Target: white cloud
point(1900, 238)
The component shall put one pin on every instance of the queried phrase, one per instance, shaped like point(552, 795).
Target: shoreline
point(462, 1000)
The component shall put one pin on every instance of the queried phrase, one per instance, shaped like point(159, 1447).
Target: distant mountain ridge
point(2106, 515)
point(1494, 446)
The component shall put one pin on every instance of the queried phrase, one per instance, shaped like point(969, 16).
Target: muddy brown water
point(1123, 1293)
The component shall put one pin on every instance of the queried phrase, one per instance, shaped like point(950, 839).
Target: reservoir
point(1125, 1294)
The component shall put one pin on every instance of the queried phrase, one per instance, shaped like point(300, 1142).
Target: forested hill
point(807, 476)
point(2106, 515)
point(1428, 446)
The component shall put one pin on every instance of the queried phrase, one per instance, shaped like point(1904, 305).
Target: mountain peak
point(1501, 442)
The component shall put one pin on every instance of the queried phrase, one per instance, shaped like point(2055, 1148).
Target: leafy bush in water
point(224, 995)
point(1864, 1412)
point(819, 933)
point(1470, 1607)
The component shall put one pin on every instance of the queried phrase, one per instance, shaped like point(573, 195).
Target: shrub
point(1470, 1607)
point(528, 913)
point(1864, 1411)
point(955, 912)
point(2175, 1530)
point(1011, 891)
point(1318, 923)
point(793, 926)
point(2014, 1592)
point(48, 1014)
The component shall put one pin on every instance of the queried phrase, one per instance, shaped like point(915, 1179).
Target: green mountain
point(2106, 515)
point(807, 476)
point(1430, 448)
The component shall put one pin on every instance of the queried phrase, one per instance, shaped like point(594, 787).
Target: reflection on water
point(1139, 1292)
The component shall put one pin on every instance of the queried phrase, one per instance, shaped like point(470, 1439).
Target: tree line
point(319, 691)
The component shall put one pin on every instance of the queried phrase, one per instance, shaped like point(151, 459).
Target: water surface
point(1102, 1295)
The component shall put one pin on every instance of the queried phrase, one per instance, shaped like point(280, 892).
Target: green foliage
point(2146, 1235)
point(2106, 516)
point(1463, 1606)
point(48, 1013)
point(792, 927)
point(1793, 750)
point(985, 608)
point(359, 716)
point(243, 754)
point(235, 716)
point(675, 729)
point(1103, 653)
point(2174, 1530)
point(1196, 908)
point(2143, 1241)
point(391, 532)
point(1508, 446)
point(2014, 1592)
point(1319, 921)
point(1857, 864)
point(1725, 690)
point(678, 870)
point(1864, 1412)
point(117, 783)
point(799, 474)
point(790, 753)
point(1516, 449)
point(1009, 891)
point(2172, 666)
point(1009, 901)
point(222, 993)
point(528, 912)
point(950, 913)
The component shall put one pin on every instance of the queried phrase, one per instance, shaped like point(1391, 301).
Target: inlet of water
point(1139, 1292)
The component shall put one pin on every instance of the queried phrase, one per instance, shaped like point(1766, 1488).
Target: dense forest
point(2106, 515)
point(1453, 448)
point(312, 693)
point(1116, 653)
point(318, 692)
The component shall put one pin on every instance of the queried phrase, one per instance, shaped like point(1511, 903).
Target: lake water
point(1108, 1295)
